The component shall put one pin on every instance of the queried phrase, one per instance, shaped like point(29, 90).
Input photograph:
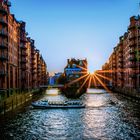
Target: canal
point(107, 117)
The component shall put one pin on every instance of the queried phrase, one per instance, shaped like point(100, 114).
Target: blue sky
point(65, 29)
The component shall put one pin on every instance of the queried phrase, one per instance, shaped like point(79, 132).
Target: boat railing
point(56, 103)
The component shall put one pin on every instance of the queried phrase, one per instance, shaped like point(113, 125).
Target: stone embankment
point(17, 100)
point(128, 93)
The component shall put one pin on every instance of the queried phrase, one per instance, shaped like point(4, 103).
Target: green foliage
point(62, 79)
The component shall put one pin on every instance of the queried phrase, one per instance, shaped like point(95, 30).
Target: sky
point(64, 29)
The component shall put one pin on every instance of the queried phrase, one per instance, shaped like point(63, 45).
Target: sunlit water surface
point(106, 116)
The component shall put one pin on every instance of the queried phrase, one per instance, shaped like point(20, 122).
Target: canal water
point(107, 116)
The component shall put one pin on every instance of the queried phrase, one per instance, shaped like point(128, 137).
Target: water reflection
point(91, 90)
point(96, 114)
point(94, 99)
point(53, 91)
point(99, 120)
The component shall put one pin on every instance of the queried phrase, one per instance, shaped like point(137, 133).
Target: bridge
point(52, 86)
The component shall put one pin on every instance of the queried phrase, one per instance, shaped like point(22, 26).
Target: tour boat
point(45, 104)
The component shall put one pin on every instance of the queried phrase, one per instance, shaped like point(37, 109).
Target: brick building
point(21, 64)
point(75, 70)
point(125, 59)
point(4, 12)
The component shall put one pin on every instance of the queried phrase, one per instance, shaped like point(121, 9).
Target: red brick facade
point(125, 59)
point(21, 65)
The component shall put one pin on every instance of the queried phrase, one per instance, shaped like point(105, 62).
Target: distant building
point(53, 79)
point(75, 68)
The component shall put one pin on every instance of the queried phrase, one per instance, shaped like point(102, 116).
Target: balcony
point(3, 33)
point(121, 74)
point(120, 51)
point(114, 66)
point(23, 60)
point(33, 52)
point(33, 62)
point(138, 64)
point(3, 11)
point(23, 47)
point(38, 62)
point(3, 22)
point(34, 68)
point(132, 27)
point(131, 52)
point(120, 66)
point(33, 58)
point(39, 67)
point(3, 72)
point(120, 55)
point(3, 45)
point(132, 76)
point(24, 54)
point(3, 57)
point(121, 78)
point(132, 37)
point(34, 79)
point(120, 61)
point(23, 39)
point(38, 75)
point(131, 66)
point(132, 44)
point(34, 72)
point(132, 59)
point(24, 67)
point(38, 70)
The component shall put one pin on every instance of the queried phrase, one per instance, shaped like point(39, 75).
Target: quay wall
point(131, 94)
point(17, 100)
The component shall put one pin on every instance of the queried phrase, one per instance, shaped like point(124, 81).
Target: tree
point(62, 79)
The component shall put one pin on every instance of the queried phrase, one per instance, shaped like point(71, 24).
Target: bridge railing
point(51, 86)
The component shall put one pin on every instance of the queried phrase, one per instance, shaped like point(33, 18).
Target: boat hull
point(56, 107)
point(64, 107)
point(39, 106)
